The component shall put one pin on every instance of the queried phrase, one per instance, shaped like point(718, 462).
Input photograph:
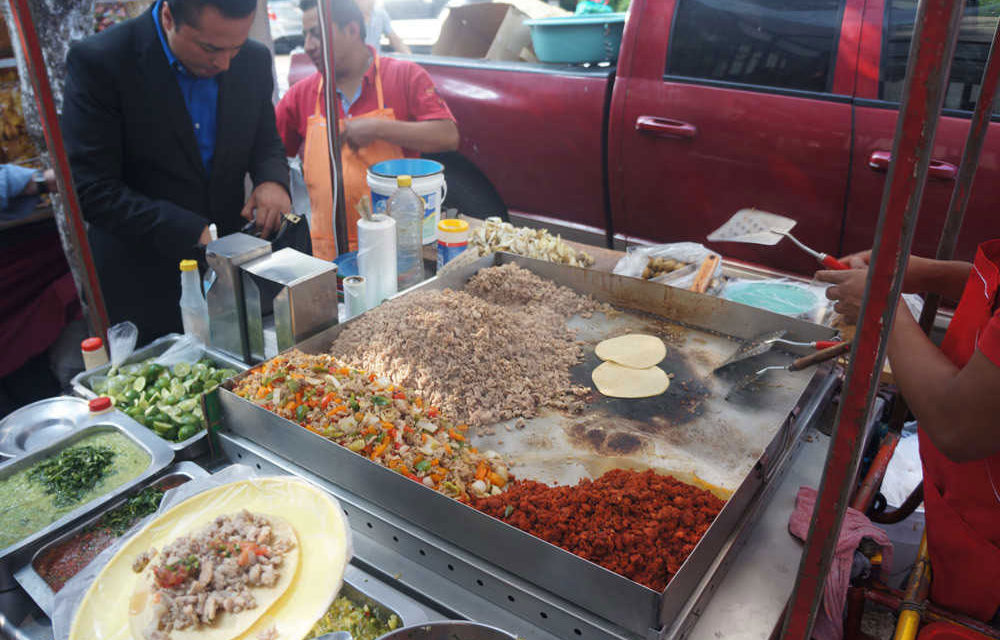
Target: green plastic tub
point(578, 39)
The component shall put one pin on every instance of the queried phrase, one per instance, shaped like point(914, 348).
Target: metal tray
point(36, 586)
point(40, 423)
point(197, 444)
point(160, 456)
point(361, 588)
point(708, 328)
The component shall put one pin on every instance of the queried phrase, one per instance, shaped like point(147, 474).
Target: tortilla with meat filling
point(216, 583)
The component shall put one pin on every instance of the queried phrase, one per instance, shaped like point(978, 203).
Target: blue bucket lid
point(416, 167)
point(590, 18)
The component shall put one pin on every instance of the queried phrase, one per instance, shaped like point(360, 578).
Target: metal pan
point(36, 586)
point(754, 436)
point(197, 444)
point(160, 455)
point(41, 423)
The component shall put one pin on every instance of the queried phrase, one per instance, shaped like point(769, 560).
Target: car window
point(789, 44)
point(974, 37)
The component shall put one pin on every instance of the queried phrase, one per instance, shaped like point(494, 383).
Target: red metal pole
point(333, 128)
point(935, 32)
point(97, 314)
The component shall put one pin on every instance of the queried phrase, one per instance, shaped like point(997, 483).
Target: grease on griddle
point(606, 441)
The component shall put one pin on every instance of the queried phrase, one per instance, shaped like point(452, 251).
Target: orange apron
point(316, 172)
point(963, 499)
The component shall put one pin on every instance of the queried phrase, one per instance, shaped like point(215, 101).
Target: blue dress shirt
point(13, 180)
point(201, 95)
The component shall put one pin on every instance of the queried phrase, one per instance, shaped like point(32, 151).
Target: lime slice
point(139, 383)
point(181, 369)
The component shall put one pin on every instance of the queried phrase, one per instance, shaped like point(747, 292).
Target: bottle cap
point(189, 265)
point(103, 403)
point(92, 344)
point(404, 181)
point(453, 225)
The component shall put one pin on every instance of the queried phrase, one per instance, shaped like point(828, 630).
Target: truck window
point(788, 44)
point(975, 35)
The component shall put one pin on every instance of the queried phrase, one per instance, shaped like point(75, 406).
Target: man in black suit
point(163, 116)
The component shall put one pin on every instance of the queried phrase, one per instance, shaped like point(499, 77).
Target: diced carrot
point(388, 425)
point(456, 435)
point(447, 447)
point(462, 427)
point(473, 450)
point(481, 470)
point(379, 450)
point(496, 479)
point(435, 462)
point(290, 405)
point(419, 402)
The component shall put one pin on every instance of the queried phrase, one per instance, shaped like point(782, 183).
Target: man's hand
point(361, 132)
point(859, 260)
point(848, 290)
point(271, 202)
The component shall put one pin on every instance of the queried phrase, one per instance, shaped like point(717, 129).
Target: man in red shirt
point(953, 392)
point(388, 109)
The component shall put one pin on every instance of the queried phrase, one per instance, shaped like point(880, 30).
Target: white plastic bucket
point(428, 183)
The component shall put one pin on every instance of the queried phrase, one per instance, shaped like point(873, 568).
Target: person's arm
point(268, 165)
point(14, 181)
point(956, 408)
point(397, 43)
point(428, 125)
point(287, 119)
point(429, 136)
point(923, 275)
point(92, 127)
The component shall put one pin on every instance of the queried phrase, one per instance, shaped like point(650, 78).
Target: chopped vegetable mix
point(360, 620)
point(372, 417)
point(161, 398)
point(139, 506)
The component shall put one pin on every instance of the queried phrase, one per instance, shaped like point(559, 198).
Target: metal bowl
point(449, 630)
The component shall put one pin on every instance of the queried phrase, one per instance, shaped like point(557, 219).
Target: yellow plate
point(318, 522)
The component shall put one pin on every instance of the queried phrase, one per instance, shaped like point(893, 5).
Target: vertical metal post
point(333, 128)
point(967, 171)
point(935, 32)
point(97, 314)
point(978, 129)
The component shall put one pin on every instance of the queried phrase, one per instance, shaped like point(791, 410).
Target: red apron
point(963, 499)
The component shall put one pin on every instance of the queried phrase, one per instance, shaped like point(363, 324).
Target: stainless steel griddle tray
point(609, 595)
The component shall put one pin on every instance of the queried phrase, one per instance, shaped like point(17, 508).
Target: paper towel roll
point(377, 258)
point(355, 295)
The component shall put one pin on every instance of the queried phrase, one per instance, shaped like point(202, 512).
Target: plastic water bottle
point(194, 309)
point(407, 209)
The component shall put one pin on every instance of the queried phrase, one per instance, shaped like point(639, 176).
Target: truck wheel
point(469, 190)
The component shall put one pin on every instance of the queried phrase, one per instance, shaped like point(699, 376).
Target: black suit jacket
point(137, 169)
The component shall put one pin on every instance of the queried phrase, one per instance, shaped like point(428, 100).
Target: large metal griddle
point(691, 431)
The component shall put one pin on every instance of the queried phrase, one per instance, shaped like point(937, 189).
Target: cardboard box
point(494, 30)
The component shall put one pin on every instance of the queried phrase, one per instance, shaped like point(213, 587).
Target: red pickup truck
point(789, 106)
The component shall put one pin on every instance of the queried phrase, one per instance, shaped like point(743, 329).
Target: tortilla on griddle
point(616, 381)
point(227, 626)
point(635, 350)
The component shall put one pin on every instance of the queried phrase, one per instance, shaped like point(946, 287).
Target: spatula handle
point(820, 356)
point(830, 262)
point(825, 344)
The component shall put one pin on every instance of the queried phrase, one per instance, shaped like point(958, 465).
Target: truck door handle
point(665, 127)
point(938, 169)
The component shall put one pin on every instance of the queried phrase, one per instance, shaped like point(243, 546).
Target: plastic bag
point(187, 349)
point(243, 481)
point(691, 254)
point(788, 297)
point(121, 343)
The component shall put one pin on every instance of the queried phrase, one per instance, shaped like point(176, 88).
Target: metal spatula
point(763, 343)
point(798, 365)
point(760, 227)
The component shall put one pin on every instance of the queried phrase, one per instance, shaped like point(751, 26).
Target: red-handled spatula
point(754, 226)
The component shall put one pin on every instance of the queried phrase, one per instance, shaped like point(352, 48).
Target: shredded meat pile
point(201, 576)
point(498, 350)
point(638, 524)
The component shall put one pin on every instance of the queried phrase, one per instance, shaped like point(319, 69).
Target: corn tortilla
point(634, 350)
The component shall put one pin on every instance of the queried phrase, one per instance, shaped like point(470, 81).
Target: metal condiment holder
point(226, 311)
point(289, 297)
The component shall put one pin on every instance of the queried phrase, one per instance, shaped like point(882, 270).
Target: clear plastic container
point(194, 309)
point(407, 209)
